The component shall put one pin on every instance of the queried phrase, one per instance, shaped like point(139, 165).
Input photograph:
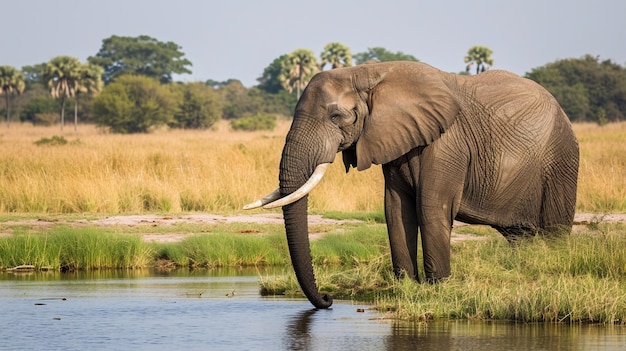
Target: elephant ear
point(411, 107)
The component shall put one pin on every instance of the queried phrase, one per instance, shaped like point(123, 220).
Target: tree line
point(588, 89)
point(128, 87)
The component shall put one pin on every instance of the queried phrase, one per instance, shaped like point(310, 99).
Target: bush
point(198, 107)
point(45, 119)
point(256, 122)
point(41, 111)
point(134, 104)
point(55, 140)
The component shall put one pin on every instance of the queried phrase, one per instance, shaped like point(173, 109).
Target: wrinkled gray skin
point(492, 149)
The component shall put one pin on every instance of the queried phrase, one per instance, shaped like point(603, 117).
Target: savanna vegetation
point(220, 170)
point(129, 86)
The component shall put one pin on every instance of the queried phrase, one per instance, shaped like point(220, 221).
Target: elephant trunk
point(296, 226)
point(299, 159)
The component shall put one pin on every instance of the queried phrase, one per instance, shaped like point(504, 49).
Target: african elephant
point(493, 149)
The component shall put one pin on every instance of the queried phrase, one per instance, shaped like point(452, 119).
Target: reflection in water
point(464, 335)
point(196, 310)
point(338, 329)
point(298, 331)
point(135, 274)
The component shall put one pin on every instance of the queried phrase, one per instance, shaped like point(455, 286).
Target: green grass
point(352, 247)
point(64, 248)
point(207, 246)
point(575, 278)
point(226, 250)
point(375, 217)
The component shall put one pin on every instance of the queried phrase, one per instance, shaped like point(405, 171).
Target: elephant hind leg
point(559, 200)
point(557, 211)
point(560, 178)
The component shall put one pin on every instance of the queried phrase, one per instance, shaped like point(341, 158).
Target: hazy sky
point(239, 38)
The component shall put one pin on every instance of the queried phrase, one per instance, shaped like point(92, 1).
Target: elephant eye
point(335, 117)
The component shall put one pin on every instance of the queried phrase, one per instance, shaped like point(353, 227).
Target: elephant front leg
point(402, 226)
point(435, 231)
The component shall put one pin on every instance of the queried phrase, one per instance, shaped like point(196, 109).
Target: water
point(223, 311)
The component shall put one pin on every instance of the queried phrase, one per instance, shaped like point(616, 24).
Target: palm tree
point(62, 74)
point(298, 69)
point(337, 55)
point(89, 82)
point(11, 81)
point(480, 56)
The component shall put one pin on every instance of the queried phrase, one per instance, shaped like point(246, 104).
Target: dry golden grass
point(220, 170)
point(166, 171)
point(602, 172)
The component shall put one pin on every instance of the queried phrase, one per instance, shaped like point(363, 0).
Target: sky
point(238, 39)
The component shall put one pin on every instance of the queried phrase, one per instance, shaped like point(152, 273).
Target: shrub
point(199, 106)
point(55, 140)
point(41, 111)
point(256, 122)
point(134, 104)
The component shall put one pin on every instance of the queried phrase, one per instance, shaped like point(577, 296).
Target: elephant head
point(373, 114)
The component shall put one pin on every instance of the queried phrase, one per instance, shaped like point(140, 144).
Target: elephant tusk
point(273, 196)
point(306, 188)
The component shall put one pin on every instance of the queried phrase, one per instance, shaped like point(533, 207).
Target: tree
point(337, 55)
point(89, 82)
point(281, 103)
point(199, 106)
point(587, 89)
point(298, 69)
point(43, 110)
point(61, 75)
point(134, 104)
point(11, 82)
point(34, 74)
point(479, 56)
point(382, 55)
point(142, 55)
point(237, 100)
point(270, 80)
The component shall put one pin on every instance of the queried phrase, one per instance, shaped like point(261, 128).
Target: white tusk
point(274, 195)
point(306, 188)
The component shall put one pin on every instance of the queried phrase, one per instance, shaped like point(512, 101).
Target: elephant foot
point(403, 273)
point(437, 280)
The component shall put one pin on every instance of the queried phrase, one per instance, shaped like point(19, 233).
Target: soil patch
point(261, 218)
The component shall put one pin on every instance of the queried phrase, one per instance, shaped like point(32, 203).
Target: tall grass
point(227, 245)
point(65, 248)
point(220, 170)
point(602, 173)
point(227, 250)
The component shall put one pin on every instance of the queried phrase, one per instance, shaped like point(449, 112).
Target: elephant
point(493, 149)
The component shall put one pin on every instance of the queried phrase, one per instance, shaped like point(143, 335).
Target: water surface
point(206, 310)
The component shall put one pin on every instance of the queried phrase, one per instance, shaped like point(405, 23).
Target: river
point(222, 310)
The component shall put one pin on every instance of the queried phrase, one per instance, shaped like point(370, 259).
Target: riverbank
point(38, 223)
point(574, 278)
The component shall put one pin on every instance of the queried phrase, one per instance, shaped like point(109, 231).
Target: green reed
point(226, 250)
point(226, 245)
point(64, 248)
